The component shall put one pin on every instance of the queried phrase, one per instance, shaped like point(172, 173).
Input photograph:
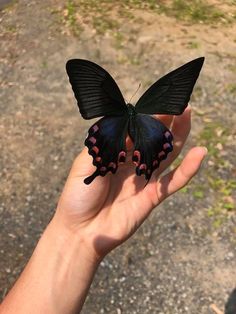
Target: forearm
point(57, 277)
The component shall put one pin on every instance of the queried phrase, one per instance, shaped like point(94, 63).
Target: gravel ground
point(182, 260)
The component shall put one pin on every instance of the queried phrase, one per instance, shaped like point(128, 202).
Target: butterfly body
point(131, 110)
point(98, 95)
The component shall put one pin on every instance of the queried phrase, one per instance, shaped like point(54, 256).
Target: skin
point(90, 221)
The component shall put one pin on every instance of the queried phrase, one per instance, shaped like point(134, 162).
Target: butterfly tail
point(90, 179)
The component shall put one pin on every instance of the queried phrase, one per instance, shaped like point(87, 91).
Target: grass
point(232, 88)
point(214, 135)
point(9, 6)
point(106, 16)
point(44, 64)
point(119, 39)
point(193, 45)
point(232, 67)
point(11, 29)
point(96, 14)
point(70, 18)
point(195, 11)
point(198, 194)
point(102, 25)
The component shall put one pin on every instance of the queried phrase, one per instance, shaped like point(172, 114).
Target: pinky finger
point(180, 176)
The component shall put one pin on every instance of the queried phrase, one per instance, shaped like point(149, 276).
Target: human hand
point(109, 210)
point(90, 221)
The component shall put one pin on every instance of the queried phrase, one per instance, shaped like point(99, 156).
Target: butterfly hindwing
point(171, 93)
point(152, 143)
point(106, 144)
point(96, 92)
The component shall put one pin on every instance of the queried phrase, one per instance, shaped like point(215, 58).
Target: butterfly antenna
point(135, 92)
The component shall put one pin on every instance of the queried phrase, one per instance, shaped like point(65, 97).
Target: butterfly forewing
point(96, 92)
point(171, 93)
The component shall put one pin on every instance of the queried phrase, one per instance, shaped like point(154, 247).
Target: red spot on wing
point(92, 140)
point(136, 157)
point(161, 154)
point(112, 165)
point(167, 134)
point(98, 159)
point(166, 146)
point(121, 157)
point(95, 149)
point(143, 167)
point(155, 163)
point(95, 128)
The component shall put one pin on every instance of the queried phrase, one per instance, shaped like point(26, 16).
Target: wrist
point(60, 265)
point(73, 240)
point(77, 235)
point(75, 264)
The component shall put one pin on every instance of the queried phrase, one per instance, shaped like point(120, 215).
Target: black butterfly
point(98, 95)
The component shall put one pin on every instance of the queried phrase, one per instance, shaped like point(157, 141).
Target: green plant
point(194, 11)
point(104, 24)
point(232, 88)
point(70, 17)
point(193, 45)
point(106, 15)
point(214, 135)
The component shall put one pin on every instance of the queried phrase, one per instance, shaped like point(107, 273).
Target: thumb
point(82, 165)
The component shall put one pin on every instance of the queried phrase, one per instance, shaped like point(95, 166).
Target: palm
point(113, 207)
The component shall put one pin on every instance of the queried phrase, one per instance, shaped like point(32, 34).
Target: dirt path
point(183, 258)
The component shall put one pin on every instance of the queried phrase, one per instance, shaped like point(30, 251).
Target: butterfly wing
point(96, 92)
point(106, 144)
point(171, 93)
point(152, 143)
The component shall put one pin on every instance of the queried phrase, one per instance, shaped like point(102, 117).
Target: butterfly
point(98, 95)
